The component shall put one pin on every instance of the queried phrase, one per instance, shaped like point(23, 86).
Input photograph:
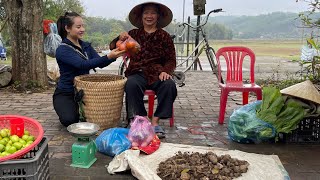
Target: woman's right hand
point(115, 53)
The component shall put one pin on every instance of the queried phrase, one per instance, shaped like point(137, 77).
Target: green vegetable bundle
point(284, 114)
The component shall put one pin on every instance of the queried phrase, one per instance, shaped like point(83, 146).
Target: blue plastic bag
point(245, 127)
point(113, 141)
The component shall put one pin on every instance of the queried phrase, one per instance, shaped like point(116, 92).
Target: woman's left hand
point(115, 53)
point(164, 76)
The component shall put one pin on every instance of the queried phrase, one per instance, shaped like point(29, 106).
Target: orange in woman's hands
point(129, 45)
point(122, 47)
point(132, 46)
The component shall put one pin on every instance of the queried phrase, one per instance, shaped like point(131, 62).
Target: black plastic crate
point(33, 166)
point(307, 132)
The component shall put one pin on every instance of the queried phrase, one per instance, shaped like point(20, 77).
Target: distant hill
point(273, 25)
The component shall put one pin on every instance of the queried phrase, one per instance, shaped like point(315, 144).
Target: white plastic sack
point(144, 167)
point(308, 53)
point(52, 41)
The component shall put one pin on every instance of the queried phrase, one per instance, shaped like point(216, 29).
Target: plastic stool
point(151, 94)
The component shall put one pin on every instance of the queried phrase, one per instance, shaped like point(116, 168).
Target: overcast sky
point(119, 9)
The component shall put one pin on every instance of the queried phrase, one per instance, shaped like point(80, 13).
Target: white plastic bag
point(52, 41)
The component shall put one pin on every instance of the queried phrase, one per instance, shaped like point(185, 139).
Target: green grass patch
point(7, 62)
point(289, 49)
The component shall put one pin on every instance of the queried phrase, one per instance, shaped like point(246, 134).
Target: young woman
point(153, 66)
point(74, 57)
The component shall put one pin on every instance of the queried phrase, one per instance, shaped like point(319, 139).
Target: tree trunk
point(25, 22)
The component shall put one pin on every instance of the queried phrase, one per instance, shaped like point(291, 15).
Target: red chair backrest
point(234, 56)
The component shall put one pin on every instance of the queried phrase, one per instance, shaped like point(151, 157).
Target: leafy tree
point(306, 17)
point(96, 24)
point(55, 8)
point(273, 25)
point(127, 25)
point(312, 22)
point(97, 39)
point(116, 29)
point(4, 31)
point(101, 31)
point(218, 31)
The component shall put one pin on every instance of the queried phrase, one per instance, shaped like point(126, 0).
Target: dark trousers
point(66, 107)
point(166, 92)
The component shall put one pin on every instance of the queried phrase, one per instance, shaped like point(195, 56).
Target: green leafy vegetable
point(283, 115)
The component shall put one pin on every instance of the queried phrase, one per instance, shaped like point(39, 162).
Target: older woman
point(153, 66)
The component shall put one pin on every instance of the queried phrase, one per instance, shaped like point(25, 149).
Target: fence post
point(188, 36)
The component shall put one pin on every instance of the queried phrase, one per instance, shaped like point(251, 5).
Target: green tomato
point(25, 137)
point(3, 142)
point(6, 139)
point(2, 147)
point(26, 132)
point(22, 141)
point(12, 150)
point(29, 142)
point(17, 145)
point(5, 153)
point(3, 133)
point(10, 142)
point(7, 148)
point(30, 138)
point(14, 138)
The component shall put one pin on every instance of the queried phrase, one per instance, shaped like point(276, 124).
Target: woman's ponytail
point(61, 27)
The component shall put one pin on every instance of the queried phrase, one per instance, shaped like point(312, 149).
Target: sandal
point(159, 132)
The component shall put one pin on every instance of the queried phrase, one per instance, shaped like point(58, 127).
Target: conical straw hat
point(304, 90)
point(164, 20)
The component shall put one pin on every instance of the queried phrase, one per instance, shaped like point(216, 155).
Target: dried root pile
point(196, 166)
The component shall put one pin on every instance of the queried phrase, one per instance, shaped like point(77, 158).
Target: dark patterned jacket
point(157, 54)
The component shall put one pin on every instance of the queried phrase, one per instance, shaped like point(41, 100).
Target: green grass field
point(288, 49)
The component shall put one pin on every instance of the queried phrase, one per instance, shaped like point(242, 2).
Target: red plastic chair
point(234, 57)
point(151, 96)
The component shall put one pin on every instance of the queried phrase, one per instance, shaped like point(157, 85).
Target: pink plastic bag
point(141, 132)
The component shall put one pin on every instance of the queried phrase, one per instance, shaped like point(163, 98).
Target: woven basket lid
point(304, 90)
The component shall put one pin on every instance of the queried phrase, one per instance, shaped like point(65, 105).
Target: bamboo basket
point(103, 98)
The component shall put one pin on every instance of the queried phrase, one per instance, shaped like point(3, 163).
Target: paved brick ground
point(197, 106)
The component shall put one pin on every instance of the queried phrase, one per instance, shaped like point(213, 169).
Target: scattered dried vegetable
point(197, 166)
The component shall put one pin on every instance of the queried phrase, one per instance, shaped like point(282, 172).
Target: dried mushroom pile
point(198, 166)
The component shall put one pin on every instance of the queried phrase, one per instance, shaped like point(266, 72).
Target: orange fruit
point(131, 44)
point(122, 47)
